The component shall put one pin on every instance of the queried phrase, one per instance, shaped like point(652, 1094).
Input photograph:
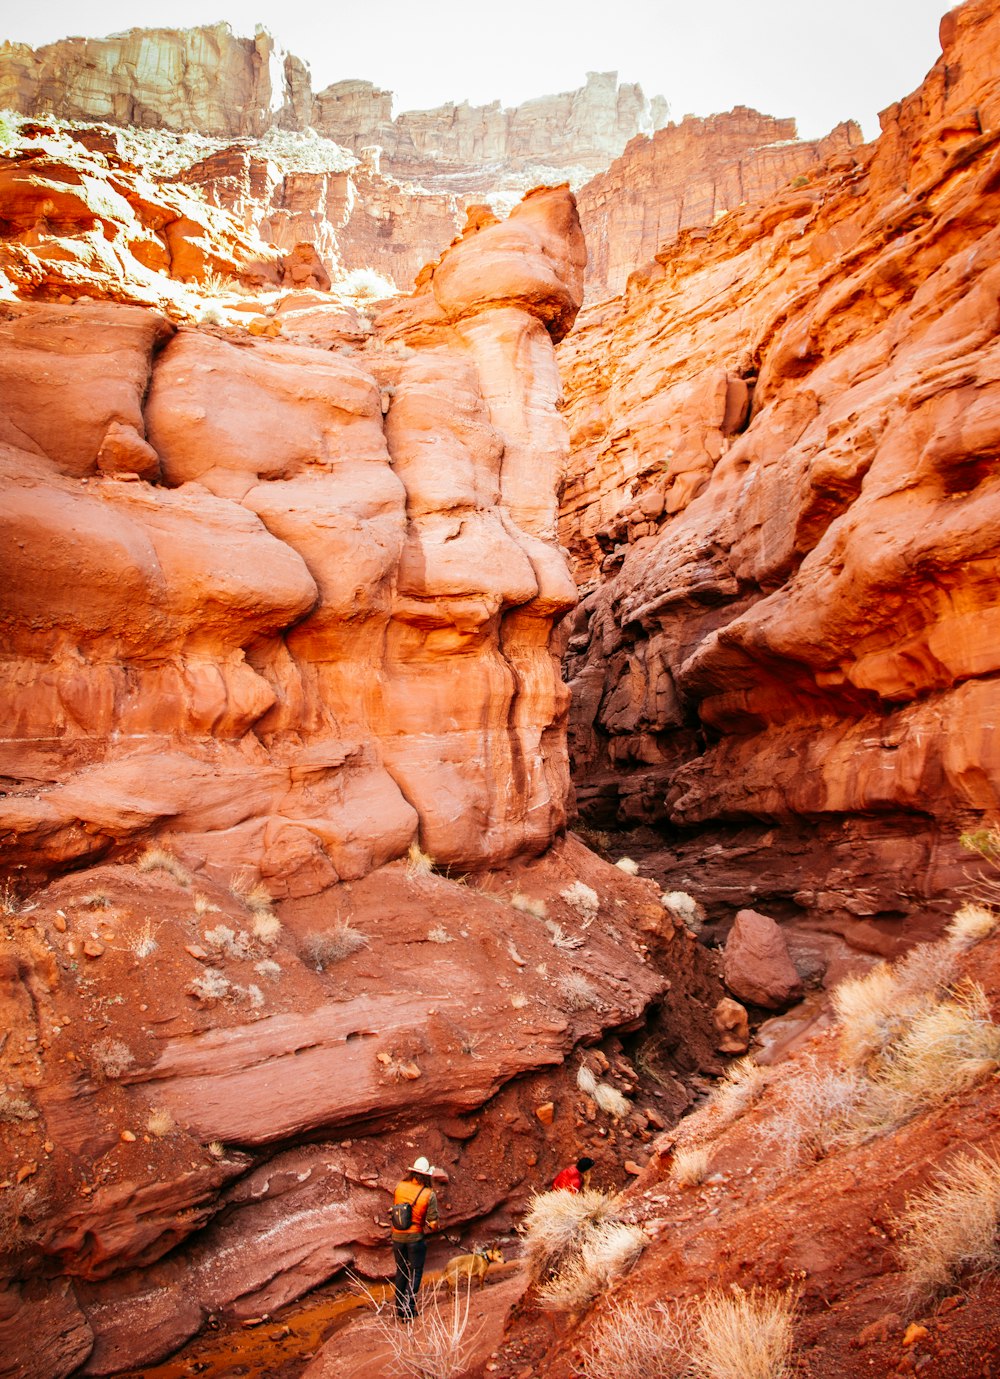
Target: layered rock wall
point(686, 175)
point(784, 447)
point(207, 78)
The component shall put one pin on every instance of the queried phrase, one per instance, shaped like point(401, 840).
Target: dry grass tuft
point(581, 898)
point(608, 1250)
point(816, 1116)
point(439, 934)
point(742, 1335)
point(611, 1101)
point(143, 942)
point(160, 1122)
point(952, 1228)
point(231, 943)
point(558, 1223)
point(529, 905)
point(266, 926)
point(203, 906)
point(438, 1344)
point(333, 945)
point(267, 967)
point(971, 924)
point(579, 991)
point(628, 866)
point(635, 1342)
point(689, 1167)
point(159, 859)
point(418, 862)
point(519, 1000)
point(252, 894)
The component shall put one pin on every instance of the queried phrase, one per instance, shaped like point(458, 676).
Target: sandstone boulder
point(756, 966)
point(732, 1025)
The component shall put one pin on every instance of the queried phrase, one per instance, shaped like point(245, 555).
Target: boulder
point(756, 966)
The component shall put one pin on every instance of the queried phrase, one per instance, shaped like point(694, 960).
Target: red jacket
point(570, 1179)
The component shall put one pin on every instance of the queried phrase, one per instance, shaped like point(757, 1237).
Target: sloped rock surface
point(782, 440)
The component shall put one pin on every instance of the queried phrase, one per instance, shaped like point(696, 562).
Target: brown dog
point(471, 1266)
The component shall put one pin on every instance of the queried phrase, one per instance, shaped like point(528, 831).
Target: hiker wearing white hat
point(414, 1217)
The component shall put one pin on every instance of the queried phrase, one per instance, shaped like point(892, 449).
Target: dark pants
point(409, 1256)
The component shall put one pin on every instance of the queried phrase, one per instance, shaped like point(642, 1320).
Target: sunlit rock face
point(690, 174)
point(783, 498)
point(290, 606)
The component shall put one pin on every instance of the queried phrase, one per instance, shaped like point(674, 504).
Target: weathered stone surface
point(686, 175)
point(301, 542)
point(794, 656)
point(732, 1025)
point(756, 966)
point(206, 78)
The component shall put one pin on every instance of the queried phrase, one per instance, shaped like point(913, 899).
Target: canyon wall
point(783, 499)
point(686, 175)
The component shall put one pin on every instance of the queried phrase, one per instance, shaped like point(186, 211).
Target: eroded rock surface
point(782, 466)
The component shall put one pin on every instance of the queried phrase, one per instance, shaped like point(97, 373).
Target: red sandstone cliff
point(686, 175)
point(784, 439)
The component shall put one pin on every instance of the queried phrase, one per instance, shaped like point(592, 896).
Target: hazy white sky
point(819, 60)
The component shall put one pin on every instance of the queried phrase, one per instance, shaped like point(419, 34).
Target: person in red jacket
point(414, 1216)
point(575, 1178)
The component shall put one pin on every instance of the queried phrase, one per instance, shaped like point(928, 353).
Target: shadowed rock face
point(783, 466)
point(333, 624)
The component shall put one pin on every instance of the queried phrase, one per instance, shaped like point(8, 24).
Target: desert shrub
point(267, 967)
point(160, 1122)
point(209, 985)
point(742, 1335)
point(15, 1108)
point(606, 1251)
point(110, 1059)
point(10, 901)
point(519, 1000)
point(689, 1167)
point(216, 1149)
point(582, 898)
point(951, 1228)
point(558, 1223)
point(971, 924)
point(529, 905)
point(628, 866)
point(985, 842)
point(439, 934)
point(579, 991)
point(159, 859)
point(8, 128)
point(815, 1117)
point(253, 994)
point(231, 943)
point(741, 1085)
point(95, 900)
point(364, 284)
point(322, 950)
point(635, 1342)
point(203, 906)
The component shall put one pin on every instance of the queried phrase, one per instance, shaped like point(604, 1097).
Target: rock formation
point(783, 443)
point(277, 617)
point(212, 80)
point(207, 78)
point(686, 175)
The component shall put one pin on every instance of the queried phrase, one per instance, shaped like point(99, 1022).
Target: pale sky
point(820, 61)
